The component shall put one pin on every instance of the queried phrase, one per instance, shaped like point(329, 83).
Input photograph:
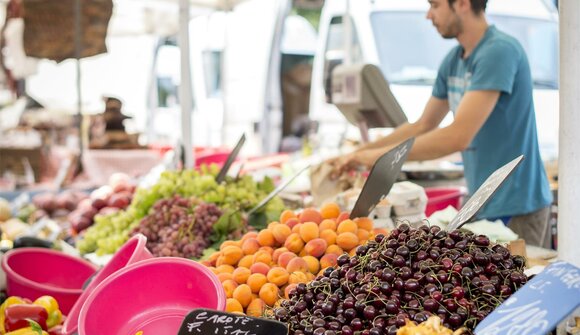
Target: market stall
point(252, 245)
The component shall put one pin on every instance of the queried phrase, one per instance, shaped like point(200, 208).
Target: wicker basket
point(49, 29)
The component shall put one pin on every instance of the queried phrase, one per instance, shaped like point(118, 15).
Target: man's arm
point(472, 112)
point(435, 111)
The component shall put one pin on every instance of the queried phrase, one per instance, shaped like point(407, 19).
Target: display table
point(99, 165)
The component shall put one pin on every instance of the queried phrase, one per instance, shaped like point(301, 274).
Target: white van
point(395, 35)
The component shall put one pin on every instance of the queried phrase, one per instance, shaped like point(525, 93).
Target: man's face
point(445, 18)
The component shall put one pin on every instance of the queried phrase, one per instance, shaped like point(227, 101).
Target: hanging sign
point(483, 194)
point(381, 179)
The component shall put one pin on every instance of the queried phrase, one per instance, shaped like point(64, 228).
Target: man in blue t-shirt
point(486, 82)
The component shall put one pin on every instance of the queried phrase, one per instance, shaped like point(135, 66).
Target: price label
point(539, 306)
point(381, 179)
point(230, 160)
point(483, 194)
point(206, 322)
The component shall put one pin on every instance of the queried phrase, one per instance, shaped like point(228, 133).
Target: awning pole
point(569, 155)
point(78, 51)
point(185, 88)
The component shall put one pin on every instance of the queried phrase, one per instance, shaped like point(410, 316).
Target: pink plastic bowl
point(152, 296)
point(34, 272)
point(134, 250)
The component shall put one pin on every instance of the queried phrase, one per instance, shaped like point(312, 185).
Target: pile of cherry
point(409, 275)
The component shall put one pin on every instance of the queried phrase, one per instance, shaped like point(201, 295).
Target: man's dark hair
point(478, 6)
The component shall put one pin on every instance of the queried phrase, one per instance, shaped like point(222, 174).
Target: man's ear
point(462, 6)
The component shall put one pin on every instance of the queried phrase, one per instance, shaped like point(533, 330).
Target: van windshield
point(410, 49)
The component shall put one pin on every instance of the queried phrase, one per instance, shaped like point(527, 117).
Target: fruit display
point(411, 274)
point(105, 200)
point(179, 227)
point(234, 197)
point(264, 266)
point(56, 204)
point(20, 316)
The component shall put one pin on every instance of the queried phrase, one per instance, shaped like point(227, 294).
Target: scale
point(363, 96)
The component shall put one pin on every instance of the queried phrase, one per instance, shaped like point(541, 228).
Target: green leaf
point(35, 326)
point(258, 220)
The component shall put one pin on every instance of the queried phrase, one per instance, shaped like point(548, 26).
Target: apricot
point(272, 224)
point(313, 264)
point(241, 275)
point(263, 256)
point(328, 260)
point(294, 243)
point(347, 226)
point(309, 231)
point(302, 253)
point(278, 276)
point(297, 277)
point(364, 223)
point(232, 254)
point(334, 249)
point(316, 247)
point(363, 235)
point(243, 294)
point(225, 269)
point(292, 222)
point(227, 244)
point(329, 236)
point(225, 276)
point(269, 250)
point(246, 261)
point(285, 258)
point(288, 290)
point(229, 286)
point(296, 228)
point(250, 246)
point(310, 215)
point(276, 254)
point(256, 308)
point(347, 241)
point(269, 293)
point(327, 224)
point(330, 211)
point(266, 238)
point(233, 306)
point(281, 233)
point(342, 216)
point(287, 215)
point(256, 281)
point(260, 268)
point(297, 264)
point(250, 234)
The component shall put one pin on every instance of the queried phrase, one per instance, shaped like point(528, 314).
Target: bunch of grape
point(178, 227)
point(111, 231)
point(409, 275)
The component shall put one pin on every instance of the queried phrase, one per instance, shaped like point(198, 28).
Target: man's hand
point(353, 161)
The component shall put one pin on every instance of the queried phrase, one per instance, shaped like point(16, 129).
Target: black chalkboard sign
point(210, 322)
point(483, 194)
point(230, 160)
point(381, 179)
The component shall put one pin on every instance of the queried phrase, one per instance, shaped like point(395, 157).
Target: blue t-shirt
point(499, 63)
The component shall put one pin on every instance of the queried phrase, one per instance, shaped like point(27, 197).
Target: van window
point(334, 52)
point(417, 62)
point(540, 40)
point(212, 63)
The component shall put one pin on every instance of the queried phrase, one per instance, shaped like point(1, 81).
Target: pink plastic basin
point(134, 250)
point(34, 272)
point(152, 296)
point(441, 198)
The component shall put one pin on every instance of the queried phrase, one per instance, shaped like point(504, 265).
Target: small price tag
point(483, 194)
point(230, 160)
point(539, 306)
point(206, 321)
point(381, 179)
